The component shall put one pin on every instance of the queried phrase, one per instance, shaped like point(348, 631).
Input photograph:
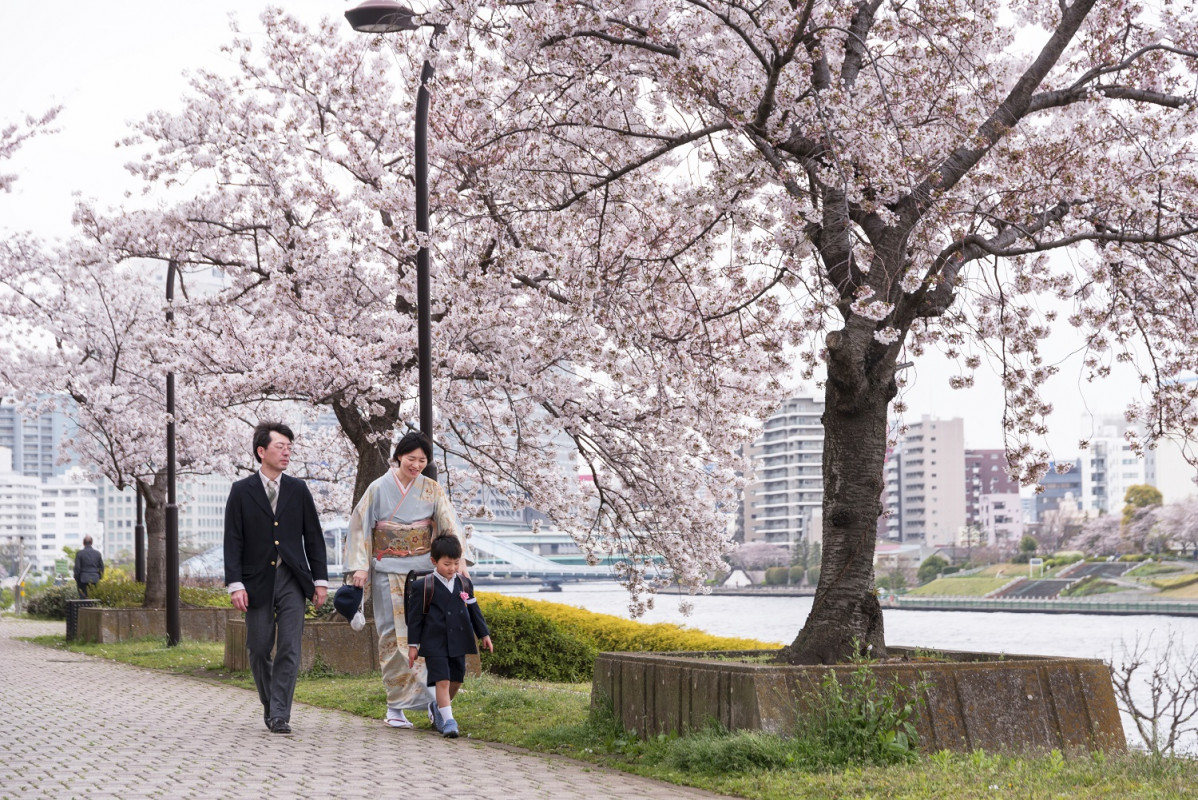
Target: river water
point(778, 619)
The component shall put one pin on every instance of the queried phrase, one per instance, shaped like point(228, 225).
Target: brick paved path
point(81, 727)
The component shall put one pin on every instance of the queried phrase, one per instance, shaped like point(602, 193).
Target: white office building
point(1001, 517)
point(20, 496)
point(67, 512)
point(201, 515)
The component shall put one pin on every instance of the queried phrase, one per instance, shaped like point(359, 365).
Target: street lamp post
point(173, 634)
point(386, 16)
point(139, 537)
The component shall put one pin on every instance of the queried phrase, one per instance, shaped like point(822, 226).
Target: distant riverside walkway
point(82, 727)
point(1104, 605)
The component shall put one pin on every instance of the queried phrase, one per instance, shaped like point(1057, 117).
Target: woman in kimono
point(390, 532)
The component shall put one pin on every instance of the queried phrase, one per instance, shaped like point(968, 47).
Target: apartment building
point(925, 483)
point(785, 499)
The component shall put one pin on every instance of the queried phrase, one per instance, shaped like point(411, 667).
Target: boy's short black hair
point(446, 546)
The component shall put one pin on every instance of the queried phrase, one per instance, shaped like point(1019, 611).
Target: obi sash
point(402, 539)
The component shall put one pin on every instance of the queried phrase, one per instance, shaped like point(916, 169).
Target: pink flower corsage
point(465, 597)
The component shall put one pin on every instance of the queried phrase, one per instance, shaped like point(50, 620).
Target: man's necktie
point(272, 492)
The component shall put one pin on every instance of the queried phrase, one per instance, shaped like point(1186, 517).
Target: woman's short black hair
point(446, 546)
point(411, 441)
point(262, 435)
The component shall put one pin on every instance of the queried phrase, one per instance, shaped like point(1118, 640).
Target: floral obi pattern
point(401, 539)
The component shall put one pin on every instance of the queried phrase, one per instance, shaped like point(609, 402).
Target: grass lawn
point(971, 586)
point(557, 718)
point(1006, 571)
point(1153, 568)
point(1182, 593)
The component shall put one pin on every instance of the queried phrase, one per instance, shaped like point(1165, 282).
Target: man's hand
point(321, 593)
point(359, 578)
point(412, 651)
point(241, 600)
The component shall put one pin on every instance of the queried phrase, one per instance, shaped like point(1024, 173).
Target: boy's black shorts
point(445, 668)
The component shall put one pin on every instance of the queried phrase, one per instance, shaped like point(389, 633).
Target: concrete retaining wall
point(975, 701)
point(339, 646)
point(107, 625)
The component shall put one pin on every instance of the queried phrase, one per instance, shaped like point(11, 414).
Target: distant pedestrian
point(444, 632)
point(274, 558)
point(89, 567)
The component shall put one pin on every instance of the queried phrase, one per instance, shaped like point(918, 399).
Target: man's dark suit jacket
point(255, 538)
point(89, 565)
point(450, 626)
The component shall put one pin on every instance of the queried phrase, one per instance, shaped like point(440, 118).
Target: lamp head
point(381, 16)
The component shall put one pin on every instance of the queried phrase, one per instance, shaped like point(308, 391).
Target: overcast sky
point(109, 64)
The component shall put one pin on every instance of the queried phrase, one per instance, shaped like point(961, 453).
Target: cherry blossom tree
point(943, 174)
point(14, 135)
point(1179, 524)
point(640, 208)
point(293, 178)
point(85, 336)
point(1100, 536)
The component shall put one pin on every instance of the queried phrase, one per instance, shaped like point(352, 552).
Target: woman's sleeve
point(447, 520)
point(357, 545)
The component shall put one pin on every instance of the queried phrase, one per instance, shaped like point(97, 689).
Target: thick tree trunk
point(846, 617)
point(154, 495)
point(372, 455)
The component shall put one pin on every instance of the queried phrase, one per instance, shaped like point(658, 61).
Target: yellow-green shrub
point(609, 633)
point(1176, 582)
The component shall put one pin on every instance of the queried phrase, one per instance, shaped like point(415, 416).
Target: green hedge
point(531, 647)
point(554, 639)
point(50, 602)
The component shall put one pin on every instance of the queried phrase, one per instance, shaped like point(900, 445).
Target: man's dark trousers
point(275, 678)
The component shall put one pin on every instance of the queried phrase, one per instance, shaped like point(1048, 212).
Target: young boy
point(446, 633)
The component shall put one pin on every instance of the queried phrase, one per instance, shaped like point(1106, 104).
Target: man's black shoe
point(279, 726)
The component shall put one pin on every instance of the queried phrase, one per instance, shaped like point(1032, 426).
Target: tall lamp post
point(139, 537)
point(386, 16)
point(173, 634)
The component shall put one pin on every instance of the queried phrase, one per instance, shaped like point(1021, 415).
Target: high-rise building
point(1110, 466)
point(985, 474)
point(787, 492)
point(35, 440)
point(925, 483)
point(201, 515)
point(1175, 476)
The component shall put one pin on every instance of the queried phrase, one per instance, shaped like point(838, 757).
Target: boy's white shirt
point(448, 584)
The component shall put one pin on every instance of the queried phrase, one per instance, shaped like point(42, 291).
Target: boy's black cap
point(347, 600)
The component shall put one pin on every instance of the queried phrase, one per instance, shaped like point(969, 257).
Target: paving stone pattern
point(82, 727)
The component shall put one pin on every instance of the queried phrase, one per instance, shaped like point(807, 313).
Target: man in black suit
point(274, 559)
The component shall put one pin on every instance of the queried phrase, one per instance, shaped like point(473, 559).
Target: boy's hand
point(412, 651)
point(486, 643)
